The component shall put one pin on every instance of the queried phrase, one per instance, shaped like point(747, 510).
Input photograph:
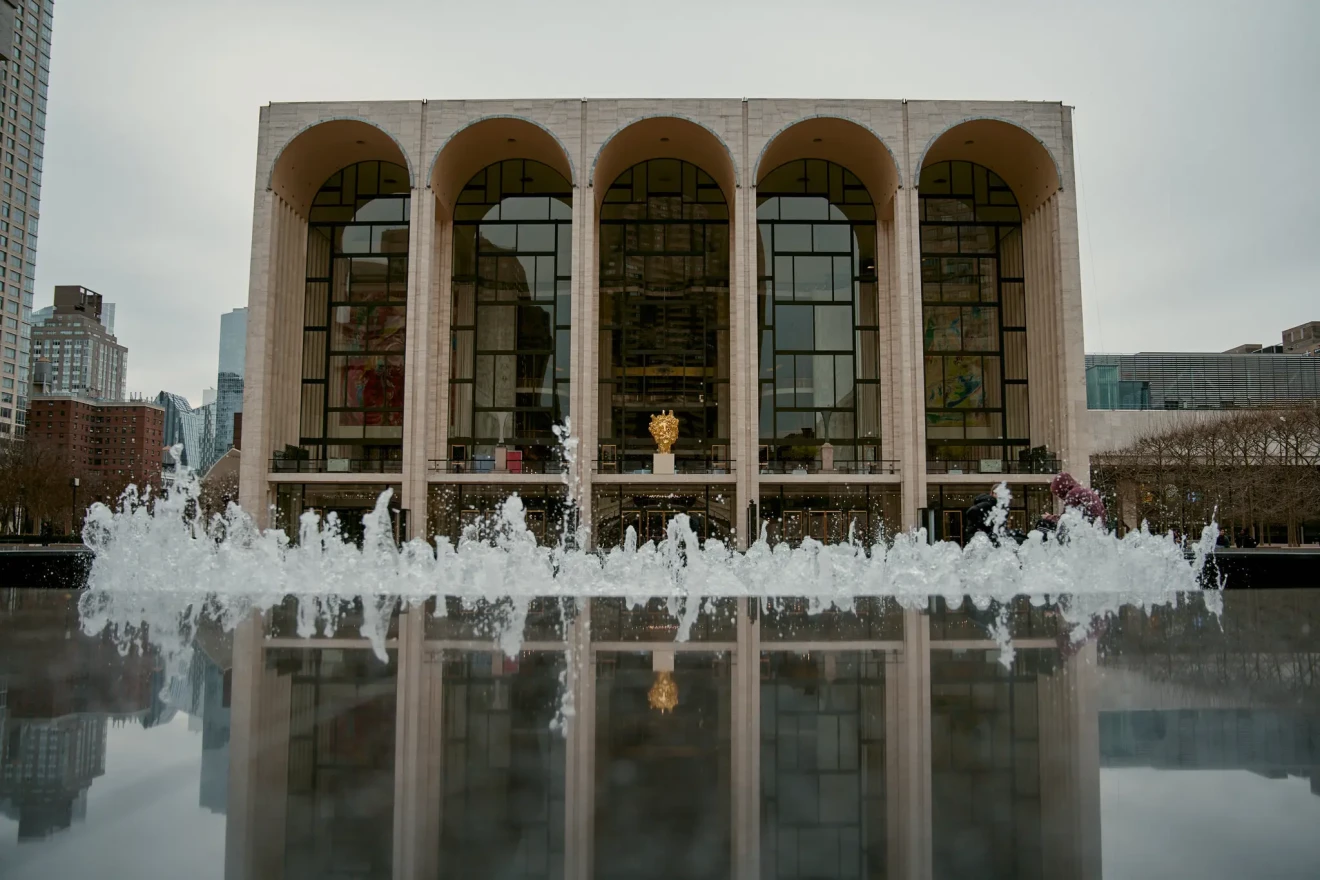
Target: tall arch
point(818, 316)
point(319, 150)
point(486, 141)
point(355, 319)
point(1017, 156)
point(974, 320)
point(657, 137)
point(511, 314)
point(664, 311)
point(842, 142)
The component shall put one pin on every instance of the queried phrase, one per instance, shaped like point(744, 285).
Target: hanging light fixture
point(664, 692)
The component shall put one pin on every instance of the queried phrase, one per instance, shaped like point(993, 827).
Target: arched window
point(818, 316)
point(664, 315)
point(509, 379)
point(355, 319)
point(974, 320)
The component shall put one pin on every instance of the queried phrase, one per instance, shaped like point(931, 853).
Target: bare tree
point(1255, 471)
point(34, 486)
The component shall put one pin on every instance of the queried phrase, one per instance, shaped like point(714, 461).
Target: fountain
point(160, 568)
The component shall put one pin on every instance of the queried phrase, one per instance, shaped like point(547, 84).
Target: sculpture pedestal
point(662, 463)
point(501, 459)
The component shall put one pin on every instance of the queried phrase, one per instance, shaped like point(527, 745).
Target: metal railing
point(862, 468)
point(683, 464)
point(993, 466)
point(336, 466)
point(487, 466)
point(39, 540)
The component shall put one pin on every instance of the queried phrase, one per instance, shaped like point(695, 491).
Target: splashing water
point(160, 569)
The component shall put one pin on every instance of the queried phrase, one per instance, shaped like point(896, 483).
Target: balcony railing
point(683, 464)
point(336, 466)
point(993, 466)
point(862, 468)
point(487, 466)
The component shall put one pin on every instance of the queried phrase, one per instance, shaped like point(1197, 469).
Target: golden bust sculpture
point(664, 428)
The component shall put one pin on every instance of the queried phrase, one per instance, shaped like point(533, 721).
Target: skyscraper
point(25, 66)
point(229, 379)
point(85, 358)
point(194, 429)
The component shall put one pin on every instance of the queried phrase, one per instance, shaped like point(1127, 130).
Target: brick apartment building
point(116, 440)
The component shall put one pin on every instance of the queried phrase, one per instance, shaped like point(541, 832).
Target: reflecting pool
point(782, 739)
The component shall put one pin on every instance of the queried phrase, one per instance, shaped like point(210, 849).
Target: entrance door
point(953, 526)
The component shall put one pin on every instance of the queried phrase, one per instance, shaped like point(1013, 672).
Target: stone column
point(584, 367)
point(421, 367)
point(1073, 441)
point(273, 390)
point(909, 379)
point(744, 385)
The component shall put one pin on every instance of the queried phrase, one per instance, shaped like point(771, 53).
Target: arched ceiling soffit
point(488, 140)
point(664, 137)
point(844, 142)
point(1007, 149)
point(311, 156)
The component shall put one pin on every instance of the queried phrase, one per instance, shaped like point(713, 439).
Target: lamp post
point(73, 511)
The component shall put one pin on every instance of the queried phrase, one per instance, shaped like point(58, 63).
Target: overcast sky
point(1197, 125)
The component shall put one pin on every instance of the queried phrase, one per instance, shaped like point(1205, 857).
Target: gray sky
point(1196, 127)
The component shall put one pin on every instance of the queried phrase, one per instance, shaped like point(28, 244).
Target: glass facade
point(356, 318)
point(649, 509)
point(347, 502)
point(512, 311)
point(830, 514)
point(818, 314)
point(1185, 380)
point(664, 312)
point(25, 70)
point(460, 510)
point(974, 318)
point(948, 504)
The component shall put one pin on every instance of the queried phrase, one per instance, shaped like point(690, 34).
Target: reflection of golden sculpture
point(664, 428)
point(664, 693)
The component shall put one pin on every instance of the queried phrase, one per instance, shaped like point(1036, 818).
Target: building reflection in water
point(873, 743)
point(60, 691)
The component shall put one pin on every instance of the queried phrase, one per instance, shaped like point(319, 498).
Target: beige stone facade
point(884, 143)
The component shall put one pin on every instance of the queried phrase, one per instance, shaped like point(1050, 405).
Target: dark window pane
point(834, 328)
point(795, 327)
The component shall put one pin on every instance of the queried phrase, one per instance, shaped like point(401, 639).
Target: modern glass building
point(229, 378)
point(193, 429)
point(25, 66)
point(862, 313)
point(1187, 380)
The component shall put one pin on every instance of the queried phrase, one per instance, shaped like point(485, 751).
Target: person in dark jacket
point(977, 518)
